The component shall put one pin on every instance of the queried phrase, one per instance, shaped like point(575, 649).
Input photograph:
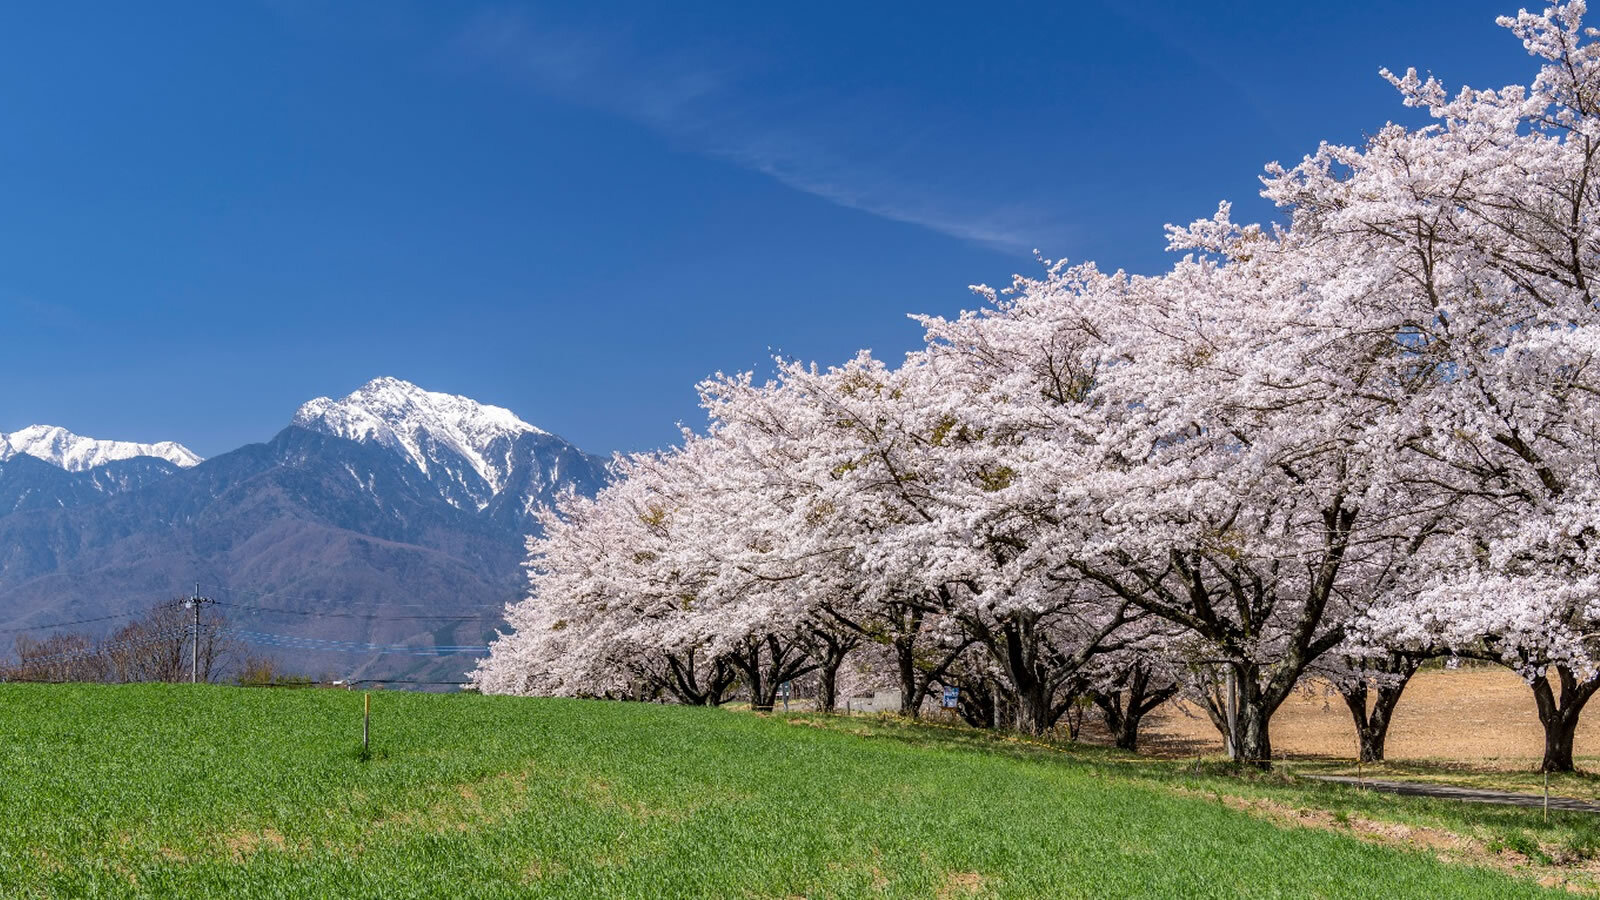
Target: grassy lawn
point(1564, 849)
point(158, 790)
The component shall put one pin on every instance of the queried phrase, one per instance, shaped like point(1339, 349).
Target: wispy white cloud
point(702, 100)
point(41, 312)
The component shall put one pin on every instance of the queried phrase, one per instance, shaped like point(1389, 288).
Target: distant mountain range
point(76, 453)
point(361, 518)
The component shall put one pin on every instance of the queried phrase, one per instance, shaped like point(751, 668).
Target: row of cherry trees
point(1332, 448)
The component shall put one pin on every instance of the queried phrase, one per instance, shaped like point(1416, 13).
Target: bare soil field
point(1484, 716)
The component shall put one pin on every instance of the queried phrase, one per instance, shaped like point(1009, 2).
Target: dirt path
point(1469, 795)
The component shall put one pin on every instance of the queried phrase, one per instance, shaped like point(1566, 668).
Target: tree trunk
point(1369, 739)
point(1122, 720)
point(762, 694)
point(681, 681)
point(1253, 707)
point(1207, 588)
point(1372, 728)
point(1127, 733)
point(761, 698)
point(1110, 703)
point(1559, 716)
point(1252, 739)
point(910, 697)
point(1558, 741)
point(1255, 741)
point(1035, 712)
point(828, 686)
point(835, 649)
point(723, 678)
point(1005, 706)
point(904, 625)
point(915, 684)
point(976, 705)
point(1017, 650)
point(765, 678)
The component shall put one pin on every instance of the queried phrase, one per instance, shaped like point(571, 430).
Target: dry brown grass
point(960, 884)
point(1482, 715)
point(1578, 876)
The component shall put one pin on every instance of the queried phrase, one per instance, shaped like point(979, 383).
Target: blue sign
point(951, 695)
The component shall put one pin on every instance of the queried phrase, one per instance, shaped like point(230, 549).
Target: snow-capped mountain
point(390, 501)
point(480, 458)
point(76, 453)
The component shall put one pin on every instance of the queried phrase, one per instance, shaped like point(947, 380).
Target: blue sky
point(211, 212)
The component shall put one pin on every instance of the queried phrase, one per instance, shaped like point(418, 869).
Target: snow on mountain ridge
point(405, 418)
point(76, 453)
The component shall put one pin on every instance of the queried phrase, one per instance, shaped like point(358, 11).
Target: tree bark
point(1251, 740)
point(836, 647)
point(766, 672)
point(1559, 715)
point(684, 680)
point(1372, 728)
point(910, 695)
point(1228, 603)
point(1254, 746)
point(1123, 718)
point(1035, 711)
point(915, 681)
point(760, 700)
point(828, 688)
point(1037, 671)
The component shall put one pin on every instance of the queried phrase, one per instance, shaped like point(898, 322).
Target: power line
point(105, 649)
point(65, 624)
point(346, 615)
point(259, 638)
point(294, 642)
point(263, 638)
point(105, 618)
point(350, 683)
point(247, 607)
point(403, 681)
point(279, 595)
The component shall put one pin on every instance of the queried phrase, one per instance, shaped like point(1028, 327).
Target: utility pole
point(1233, 712)
point(195, 602)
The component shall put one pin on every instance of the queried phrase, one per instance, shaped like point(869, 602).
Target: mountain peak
point(76, 453)
point(418, 423)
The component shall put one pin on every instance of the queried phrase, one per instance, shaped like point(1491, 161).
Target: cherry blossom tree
point(1326, 448)
point(1211, 446)
point(843, 444)
point(1482, 228)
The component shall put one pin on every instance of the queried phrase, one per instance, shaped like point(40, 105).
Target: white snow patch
point(403, 417)
point(76, 453)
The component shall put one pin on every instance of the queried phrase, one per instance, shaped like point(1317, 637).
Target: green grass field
point(156, 790)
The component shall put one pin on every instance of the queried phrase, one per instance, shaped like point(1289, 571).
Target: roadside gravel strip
point(1469, 795)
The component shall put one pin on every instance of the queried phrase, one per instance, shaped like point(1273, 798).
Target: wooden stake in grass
point(366, 723)
point(1547, 798)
